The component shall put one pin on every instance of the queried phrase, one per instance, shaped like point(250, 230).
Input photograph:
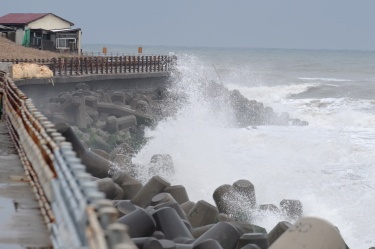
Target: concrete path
point(21, 223)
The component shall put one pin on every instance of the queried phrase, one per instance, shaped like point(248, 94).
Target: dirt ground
point(11, 50)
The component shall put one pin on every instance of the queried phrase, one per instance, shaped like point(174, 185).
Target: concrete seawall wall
point(42, 89)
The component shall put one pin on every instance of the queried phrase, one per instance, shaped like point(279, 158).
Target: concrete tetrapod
point(225, 198)
point(278, 230)
point(166, 200)
point(203, 213)
point(187, 206)
point(251, 246)
point(125, 207)
point(170, 223)
point(153, 187)
point(95, 164)
point(178, 192)
point(139, 222)
point(144, 242)
point(223, 232)
point(310, 233)
point(259, 239)
point(108, 187)
point(246, 189)
point(292, 208)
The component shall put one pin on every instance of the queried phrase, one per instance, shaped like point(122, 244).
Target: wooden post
point(81, 65)
point(120, 64)
point(134, 68)
point(101, 65)
point(53, 66)
point(130, 63)
point(91, 65)
point(143, 63)
point(139, 63)
point(159, 63)
point(152, 58)
point(106, 65)
point(86, 65)
point(77, 65)
point(65, 66)
point(96, 65)
point(127, 63)
point(71, 66)
point(60, 66)
point(147, 63)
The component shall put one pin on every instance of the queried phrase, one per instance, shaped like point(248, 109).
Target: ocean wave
point(265, 93)
point(324, 79)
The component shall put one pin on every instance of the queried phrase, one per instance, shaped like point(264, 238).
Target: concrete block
point(178, 192)
point(246, 190)
point(203, 213)
point(153, 187)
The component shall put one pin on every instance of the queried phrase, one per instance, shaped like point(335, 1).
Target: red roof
point(24, 18)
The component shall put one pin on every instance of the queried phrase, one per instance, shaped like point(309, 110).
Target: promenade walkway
point(21, 222)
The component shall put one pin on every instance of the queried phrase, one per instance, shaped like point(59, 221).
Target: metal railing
point(70, 66)
point(76, 213)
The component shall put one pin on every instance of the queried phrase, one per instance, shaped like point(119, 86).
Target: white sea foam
point(324, 79)
point(327, 165)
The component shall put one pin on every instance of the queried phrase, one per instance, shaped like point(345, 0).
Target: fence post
point(139, 63)
point(65, 66)
point(159, 63)
point(91, 66)
point(116, 64)
point(77, 65)
point(111, 63)
point(106, 65)
point(81, 65)
point(146, 63)
point(134, 68)
point(59, 63)
point(71, 66)
point(53, 66)
point(120, 64)
point(96, 65)
point(86, 65)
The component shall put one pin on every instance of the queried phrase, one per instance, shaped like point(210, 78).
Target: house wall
point(79, 41)
point(49, 22)
point(19, 35)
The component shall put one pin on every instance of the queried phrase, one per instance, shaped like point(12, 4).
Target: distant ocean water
point(328, 165)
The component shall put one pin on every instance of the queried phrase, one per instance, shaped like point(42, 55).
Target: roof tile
point(21, 18)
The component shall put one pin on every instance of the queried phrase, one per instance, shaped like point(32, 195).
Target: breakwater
point(159, 214)
point(162, 219)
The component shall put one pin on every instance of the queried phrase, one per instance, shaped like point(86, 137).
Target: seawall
point(42, 88)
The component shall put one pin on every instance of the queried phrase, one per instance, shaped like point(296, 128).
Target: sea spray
point(326, 165)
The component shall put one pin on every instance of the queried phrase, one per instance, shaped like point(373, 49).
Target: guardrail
point(76, 213)
point(70, 66)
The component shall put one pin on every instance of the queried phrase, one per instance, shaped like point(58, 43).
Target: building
point(45, 31)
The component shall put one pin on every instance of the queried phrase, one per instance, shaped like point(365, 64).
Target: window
point(65, 43)
point(37, 41)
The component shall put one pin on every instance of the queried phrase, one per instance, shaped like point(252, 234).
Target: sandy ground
point(11, 50)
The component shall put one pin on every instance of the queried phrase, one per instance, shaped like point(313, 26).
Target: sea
point(328, 165)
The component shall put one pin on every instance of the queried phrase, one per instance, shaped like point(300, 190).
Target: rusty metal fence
point(76, 213)
point(71, 66)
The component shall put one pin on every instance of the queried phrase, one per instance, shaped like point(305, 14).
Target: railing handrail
point(91, 65)
point(76, 213)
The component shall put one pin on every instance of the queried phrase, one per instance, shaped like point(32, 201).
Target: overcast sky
point(315, 24)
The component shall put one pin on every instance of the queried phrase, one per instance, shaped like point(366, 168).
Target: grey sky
point(316, 24)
